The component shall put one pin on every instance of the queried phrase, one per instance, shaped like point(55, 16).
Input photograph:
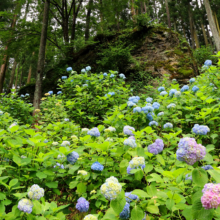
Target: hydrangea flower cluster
point(135, 163)
point(163, 93)
point(72, 157)
point(171, 105)
point(83, 70)
point(211, 197)
point(192, 80)
point(134, 99)
point(149, 99)
point(65, 143)
point(130, 104)
point(35, 192)
point(150, 116)
point(109, 93)
point(160, 114)
point(110, 129)
point(25, 205)
point(82, 205)
point(97, 166)
point(156, 105)
point(147, 109)
point(189, 151)
point(61, 166)
point(13, 124)
point(184, 88)
point(160, 89)
point(168, 125)
point(64, 77)
point(200, 129)
point(195, 88)
point(88, 68)
point(90, 217)
point(85, 129)
point(105, 74)
point(152, 123)
point(121, 75)
point(172, 92)
point(50, 92)
point(137, 109)
point(85, 85)
point(94, 132)
point(111, 188)
point(83, 172)
point(208, 63)
point(207, 167)
point(125, 212)
point(156, 147)
point(188, 177)
point(128, 130)
point(130, 197)
point(66, 119)
point(59, 92)
point(68, 69)
point(177, 94)
point(130, 142)
point(112, 76)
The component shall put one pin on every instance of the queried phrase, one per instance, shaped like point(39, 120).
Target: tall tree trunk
point(208, 34)
point(88, 19)
point(41, 57)
point(16, 80)
point(101, 15)
point(21, 76)
point(132, 9)
point(12, 77)
point(204, 34)
point(212, 24)
point(30, 70)
point(216, 22)
point(196, 37)
point(174, 24)
point(168, 13)
point(191, 26)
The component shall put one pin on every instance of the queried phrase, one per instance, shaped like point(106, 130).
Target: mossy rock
point(185, 72)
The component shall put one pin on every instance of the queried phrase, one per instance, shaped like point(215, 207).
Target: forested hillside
point(109, 109)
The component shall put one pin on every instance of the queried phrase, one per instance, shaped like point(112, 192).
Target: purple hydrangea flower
point(200, 129)
point(189, 151)
point(82, 205)
point(156, 147)
point(97, 166)
point(207, 167)
point(25, 205)
point(188, 177)
point(128, 130)
point(125, 212)
point(130, 197)
point(94, 132)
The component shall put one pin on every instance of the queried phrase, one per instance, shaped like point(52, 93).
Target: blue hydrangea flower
point(135, 163)
point(82, 205)
point(130, 142)
point(128, 130)
point(156, 147)
point(168, 125)
point(97, 166)
point(88, 68)
point(172, 92)
point(59, 92)
point(72, 157)
point(22, 96)
point(160, 89)
point(110, 93)
point(171, 105)
point(69, 69)
point(200, 129)
point(150, 116)
point(25, 205)
point(188, 177)
point(211, 84)
point(160, 114)
point(207, 167)
point(177, 94)
point(153, 123)
point(147, 109)
point(64, 77)
point(121, 75)
point(130, 197)
point(85, 85)
point(156, 105)
point(27, 94)
point(94, 132)
point(125, 214)
point(130, 103)
point(134, 99)
point(66, 119)
point(163, 93)
point(137, 109)
point(45, 141)
point(50, 92)
point(195, 88)
point(149, 99)
point(184, 88)
point(112, 76)
point(71, 80)
point(61, 166)
point(192, 80)
point(208, 63)
point(35, 192)
point(105, 74)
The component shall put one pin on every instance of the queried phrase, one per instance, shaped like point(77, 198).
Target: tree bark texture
point(30, 71)
point(191, 26)
point(41, 57)
point(88, 19)
point(168, 13)
point(204, 34)
point(212, 24)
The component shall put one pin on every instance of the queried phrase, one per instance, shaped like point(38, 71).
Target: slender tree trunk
point(168, 14)
point(41, 57)
point(12, 77)
point(191, 26)
point(204, 34)
point(208, 34)
point(16, 80)
point(101, 15)
point(174, 24)
point(30, 71)
point(88, 19)
point(132, 9)
point(216, 22)
point(212, 24)
point(21, 76)
point(196, 36)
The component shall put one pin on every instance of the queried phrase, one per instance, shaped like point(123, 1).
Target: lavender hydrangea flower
point(128, 130)
point(35, 192)
point(156, 147)
point(64, 77)
point(125, 212)
point(160, 89)
point(82, 205)
point(207, 167)
point(130, 142)
point(69, 69)
point(192, 80)
point(163, 93)
point(195, 89)
point(25, 205)
point(184, 88)
point(94, 132)
point(200, 129)
point(172, 92)
point(208, 63)
point(137, 109)
point(149, 99)
point(153, 123)
point(188, 177)
point(72, 157)
point(97, 166)
point(130, 197)
point(156, 105)
point(189, 151)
